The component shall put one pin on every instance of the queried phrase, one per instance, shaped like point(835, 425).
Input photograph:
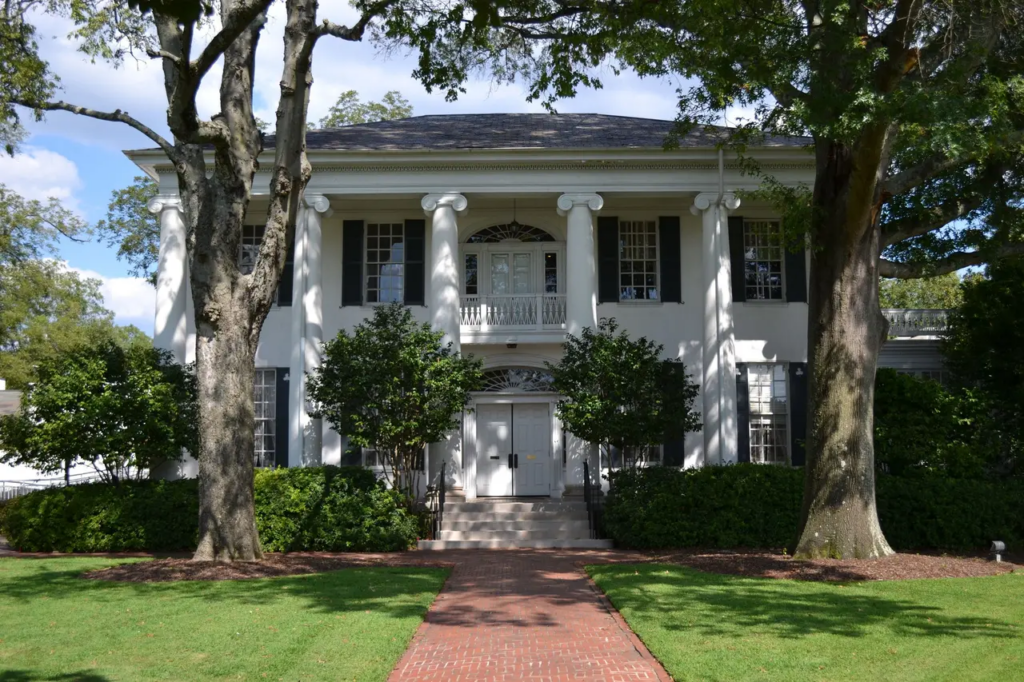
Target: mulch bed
point(272, 566)
point(761, 564)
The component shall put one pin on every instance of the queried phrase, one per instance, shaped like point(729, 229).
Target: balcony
point(910, 322)
point(485, 316)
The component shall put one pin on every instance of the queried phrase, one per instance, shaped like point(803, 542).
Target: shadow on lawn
point(721, 605)
point(392, 591)
point(29, 676)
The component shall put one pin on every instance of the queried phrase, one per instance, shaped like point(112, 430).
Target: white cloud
point(39, 174)
point(131, 299)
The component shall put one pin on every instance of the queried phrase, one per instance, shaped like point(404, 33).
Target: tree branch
point(163, 54)
point(239, 19)
point(355, 33)
point(916, 175)
point(940, 216)
point(944, 266)
point(116, 115)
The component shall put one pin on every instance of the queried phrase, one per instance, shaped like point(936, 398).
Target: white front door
point(493, 448)
point(522, 431)
point(531, 442)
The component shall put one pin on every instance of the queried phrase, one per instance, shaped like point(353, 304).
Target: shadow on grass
point(389, 591)
point(722, 605)
point(29, 676)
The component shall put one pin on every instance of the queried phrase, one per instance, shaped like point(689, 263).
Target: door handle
point(515, 458)
point(510, 460)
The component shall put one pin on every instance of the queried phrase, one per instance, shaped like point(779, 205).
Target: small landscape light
point(998, 547)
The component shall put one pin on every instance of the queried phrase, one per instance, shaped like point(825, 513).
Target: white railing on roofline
point(524, 312)
point(916, 321)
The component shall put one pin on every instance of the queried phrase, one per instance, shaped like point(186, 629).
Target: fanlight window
point(512, 232)
point(517, 380)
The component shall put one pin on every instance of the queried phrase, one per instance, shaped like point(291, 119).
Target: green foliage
point(154, 516)
point(984, 349)
point(928, 292)
point(923, 429)
point(31, 229)
point(122, 409)
point(330, 509)
point(392, 386)
point(751, 505)
point(133, 228)
point(620, 392)
point(348, 110)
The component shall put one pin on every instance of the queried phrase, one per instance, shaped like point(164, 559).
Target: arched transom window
point(517, 380)
point(511, 232)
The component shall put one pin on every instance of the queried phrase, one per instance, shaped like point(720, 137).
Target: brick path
point(508, 615)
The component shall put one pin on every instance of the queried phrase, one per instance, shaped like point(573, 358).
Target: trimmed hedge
point(322, 509)
point(750, 505)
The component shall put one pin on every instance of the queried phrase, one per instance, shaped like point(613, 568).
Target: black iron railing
point(592, 498)
point(439, 511)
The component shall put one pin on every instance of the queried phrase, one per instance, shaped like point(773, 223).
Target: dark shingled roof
point(514, 131)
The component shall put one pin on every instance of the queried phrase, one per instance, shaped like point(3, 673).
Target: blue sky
point(81, 162)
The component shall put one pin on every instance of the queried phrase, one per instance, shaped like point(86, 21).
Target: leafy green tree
point(133, 228)
point(928, 292)
point(31, 229)
point(121, 409)
point(984, 349)
point(393, 387)
point(348, 110)
point(620, 393)
point(912, 109)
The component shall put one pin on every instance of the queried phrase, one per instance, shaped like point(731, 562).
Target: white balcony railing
point(526, 312)
point(915, 321)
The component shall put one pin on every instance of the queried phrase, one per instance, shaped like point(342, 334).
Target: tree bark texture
point(845, 332)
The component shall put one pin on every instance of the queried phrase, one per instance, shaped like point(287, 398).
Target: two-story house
point(508, 232)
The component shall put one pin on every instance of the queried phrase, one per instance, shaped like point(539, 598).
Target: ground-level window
point(633, 456)
point(769, 414)
point(638, 260)
point(265, 398)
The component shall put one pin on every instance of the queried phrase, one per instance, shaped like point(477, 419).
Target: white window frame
point(782, 298)
point(645, 225)
point(483, 265)
point(773, 417)
point(260, 453)
point(367, 263)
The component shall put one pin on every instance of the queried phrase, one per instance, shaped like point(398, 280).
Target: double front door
point(513, 449)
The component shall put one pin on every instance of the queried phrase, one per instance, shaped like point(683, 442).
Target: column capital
point(318, 202)
point(432, 202)
point(566, 202)
point(706, 200)
point(164, 201)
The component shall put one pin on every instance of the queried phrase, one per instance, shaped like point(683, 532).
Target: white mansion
point(508, 232)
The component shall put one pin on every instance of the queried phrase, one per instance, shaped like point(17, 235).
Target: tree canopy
point(927, 292)
point(349, 110)
point(133, 228)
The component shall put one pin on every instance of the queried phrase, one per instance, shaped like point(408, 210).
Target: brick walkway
point(508, 615)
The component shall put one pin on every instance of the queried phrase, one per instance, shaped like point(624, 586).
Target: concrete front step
point(532, 534)
point(553, 506)
point(514, 544)
point(460, 516)
point(552, 524)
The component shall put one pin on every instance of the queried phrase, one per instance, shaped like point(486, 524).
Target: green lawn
point(351, 624)
point(709, 627)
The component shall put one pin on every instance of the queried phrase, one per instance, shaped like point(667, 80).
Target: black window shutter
point(281, 418)
point(673, 452)
point(351, 455)
point(796, 276)
point(607, 259)
point(284, 287)
point(798, 412)
point(742, 414)
point(671, 265)
point(352, 263)
point(736, 259)
point(415, 266)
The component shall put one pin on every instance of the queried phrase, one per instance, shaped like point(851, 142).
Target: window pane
point(638, 260)
point(763, 255)
point(385, 262)
point(769, 440)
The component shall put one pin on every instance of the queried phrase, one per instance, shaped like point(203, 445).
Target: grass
point(709, 627)
point(351, 624)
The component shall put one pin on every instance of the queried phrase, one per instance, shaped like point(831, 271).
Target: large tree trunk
point(845, 332)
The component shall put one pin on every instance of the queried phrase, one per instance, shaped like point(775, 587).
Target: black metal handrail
point(439, 512)
point(593, 521)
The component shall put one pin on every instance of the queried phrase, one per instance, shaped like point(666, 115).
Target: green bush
point(750, 505)
point(156, 516)
point(315, 509)
point(330, 509)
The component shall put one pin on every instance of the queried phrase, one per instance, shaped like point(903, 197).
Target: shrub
point(750, 505)
point(151, 516)
point(330, 509)
point(322, 509)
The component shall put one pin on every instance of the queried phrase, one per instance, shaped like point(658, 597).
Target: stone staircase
point(497, 523)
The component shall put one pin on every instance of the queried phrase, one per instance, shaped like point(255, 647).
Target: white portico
point(507, 232)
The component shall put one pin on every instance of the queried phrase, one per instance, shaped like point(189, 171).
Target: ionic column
point(580, 260)
point(170, 327)
point(443, 211)
point(718, 381)
point(304, 432)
